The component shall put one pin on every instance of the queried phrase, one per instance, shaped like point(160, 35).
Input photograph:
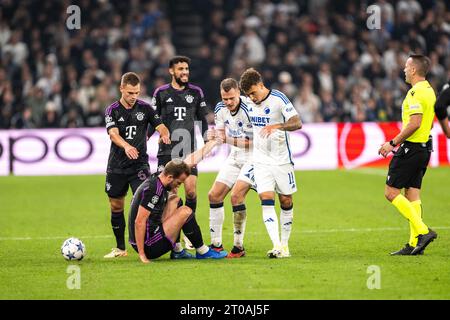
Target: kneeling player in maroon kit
point(155, 221)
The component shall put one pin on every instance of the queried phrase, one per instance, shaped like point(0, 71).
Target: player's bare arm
point(197, 156)
point(294, 123)
point(414, 123)
point(139, 229)
point(220, 135)
point(163, 133)
point(130, 151)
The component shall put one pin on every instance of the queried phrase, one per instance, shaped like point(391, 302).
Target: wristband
point(392, 143)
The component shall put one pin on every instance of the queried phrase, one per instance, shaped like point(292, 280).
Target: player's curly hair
point(178, 59)
point(249, 78)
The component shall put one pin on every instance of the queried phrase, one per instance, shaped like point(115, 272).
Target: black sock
point(192, 231)
point(180, 203)
point(192, 203)
point(118, 226)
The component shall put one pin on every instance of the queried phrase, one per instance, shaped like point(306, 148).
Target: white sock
point(286, 218)
point(271, 221)
point(239, 219)
point(202, 250)
point(216, 218)
point(178, 247)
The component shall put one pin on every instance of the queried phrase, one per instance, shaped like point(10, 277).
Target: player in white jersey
point(233, 126)
point(272, 115)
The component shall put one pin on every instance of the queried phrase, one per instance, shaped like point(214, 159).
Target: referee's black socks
point(118, 226)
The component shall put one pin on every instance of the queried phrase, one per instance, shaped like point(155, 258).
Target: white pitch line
point(51, 238)
point(363, 230)
point(248, 232)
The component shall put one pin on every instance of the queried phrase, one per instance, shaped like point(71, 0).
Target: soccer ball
point(73, 249)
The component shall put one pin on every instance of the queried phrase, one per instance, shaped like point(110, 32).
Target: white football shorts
point(279, 179)
point(232, 171)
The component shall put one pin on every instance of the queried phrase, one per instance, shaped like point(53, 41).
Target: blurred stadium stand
point(319, 52)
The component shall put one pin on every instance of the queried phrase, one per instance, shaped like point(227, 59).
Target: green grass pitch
point(342, 226)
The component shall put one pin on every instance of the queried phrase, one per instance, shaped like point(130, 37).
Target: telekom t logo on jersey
point(180, 113)
point(130, 132)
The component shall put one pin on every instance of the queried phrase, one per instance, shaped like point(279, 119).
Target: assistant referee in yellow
point(409, 164)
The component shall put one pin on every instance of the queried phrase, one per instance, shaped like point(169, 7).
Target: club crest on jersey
point(266, 110)
point(140, 116)
point(240, 124)
point(189, 98)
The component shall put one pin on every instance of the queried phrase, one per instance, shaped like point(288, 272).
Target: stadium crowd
point(320, 53)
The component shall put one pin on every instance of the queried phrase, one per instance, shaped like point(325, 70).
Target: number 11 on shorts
point(291, 178)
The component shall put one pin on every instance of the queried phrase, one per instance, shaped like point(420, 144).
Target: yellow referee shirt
point(419, 99)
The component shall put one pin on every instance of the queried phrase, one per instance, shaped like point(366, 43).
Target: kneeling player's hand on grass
point(144, 258)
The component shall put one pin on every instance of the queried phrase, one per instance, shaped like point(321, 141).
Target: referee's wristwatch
point(392, 143)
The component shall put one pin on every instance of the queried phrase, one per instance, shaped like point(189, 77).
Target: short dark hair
point(228, 84)
point(130, 78)
point(178, 59)
point(249, 78)
point(422, 63)
point(176, 168)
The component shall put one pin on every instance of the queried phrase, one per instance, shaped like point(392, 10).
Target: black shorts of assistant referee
point(117, 183)
point(156, 244)
point(163, 160)
point(408, 166)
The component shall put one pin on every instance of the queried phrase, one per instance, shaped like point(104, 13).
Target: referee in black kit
point(127, 121)
point(179, 104)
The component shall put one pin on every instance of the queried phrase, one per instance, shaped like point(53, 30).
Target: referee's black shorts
point(409, 164)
